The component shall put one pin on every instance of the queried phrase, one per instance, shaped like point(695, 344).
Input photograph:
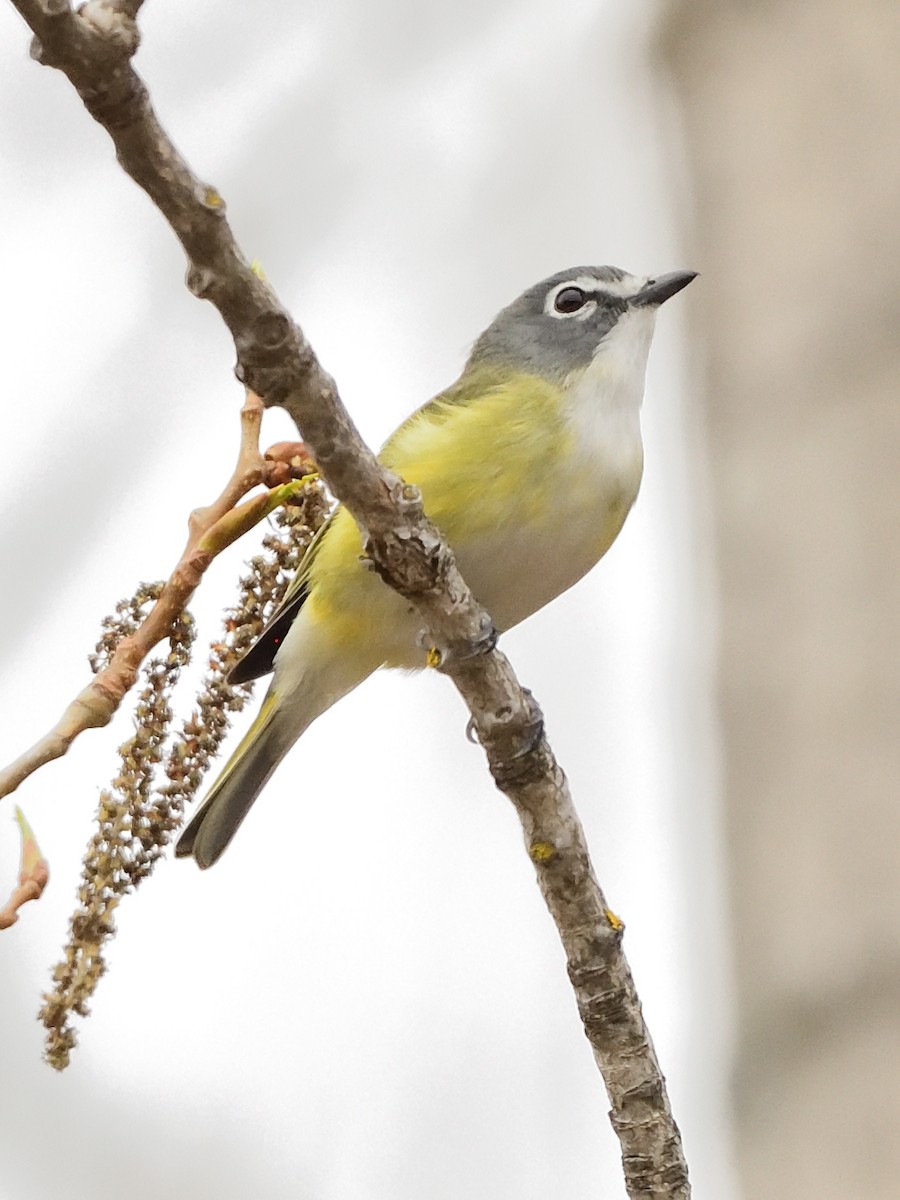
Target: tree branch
point(93, 48)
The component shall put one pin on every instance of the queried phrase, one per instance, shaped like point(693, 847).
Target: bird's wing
point(260, 658)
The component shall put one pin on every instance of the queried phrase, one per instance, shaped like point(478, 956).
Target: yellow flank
point(336, 571)
point(493, 455)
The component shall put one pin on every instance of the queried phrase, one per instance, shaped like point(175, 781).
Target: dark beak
point(661, 289)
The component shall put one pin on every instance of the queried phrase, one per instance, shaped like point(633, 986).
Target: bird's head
point(557, 327)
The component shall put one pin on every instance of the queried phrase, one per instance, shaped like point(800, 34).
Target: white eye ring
point(569, 300)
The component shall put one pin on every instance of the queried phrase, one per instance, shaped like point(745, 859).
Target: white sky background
point(366, 998)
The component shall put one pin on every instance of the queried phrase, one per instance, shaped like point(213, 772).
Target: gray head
point(557, 326)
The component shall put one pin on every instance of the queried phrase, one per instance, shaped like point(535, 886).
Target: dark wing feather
point(260, 658)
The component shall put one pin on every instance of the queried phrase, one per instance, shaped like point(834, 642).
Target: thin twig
point(276, 361)
point(211, 530)
point(34, 874)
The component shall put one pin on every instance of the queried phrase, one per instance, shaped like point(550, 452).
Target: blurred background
point(791, 115)
point(378, 1007)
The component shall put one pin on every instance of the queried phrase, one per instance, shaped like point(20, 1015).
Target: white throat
point(605, 398)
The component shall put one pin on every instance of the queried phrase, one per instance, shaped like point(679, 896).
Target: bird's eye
point(569, 300)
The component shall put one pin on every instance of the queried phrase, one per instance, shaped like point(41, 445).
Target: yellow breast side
point(485, 458)
point(337, 574)
point(479, 456)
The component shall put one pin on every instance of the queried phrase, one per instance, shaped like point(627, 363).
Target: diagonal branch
point(93, 48)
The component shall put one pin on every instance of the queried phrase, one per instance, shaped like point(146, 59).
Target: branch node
point(409, 559)
point(200, 281)
point(270, 332)
point(107, 21)
point(209, 197)
point(541, 852)
point(407, 497)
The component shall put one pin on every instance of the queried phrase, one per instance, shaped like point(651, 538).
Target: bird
point(528, 465)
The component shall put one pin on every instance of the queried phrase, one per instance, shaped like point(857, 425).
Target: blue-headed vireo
point(528, 465)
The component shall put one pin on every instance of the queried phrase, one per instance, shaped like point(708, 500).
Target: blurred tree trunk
point(792, 123)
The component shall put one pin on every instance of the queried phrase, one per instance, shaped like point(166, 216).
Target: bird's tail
point(242, 779)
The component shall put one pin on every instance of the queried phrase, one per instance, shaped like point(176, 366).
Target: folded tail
point(242, 779)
